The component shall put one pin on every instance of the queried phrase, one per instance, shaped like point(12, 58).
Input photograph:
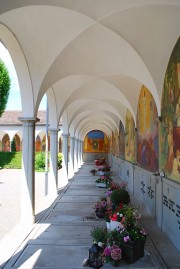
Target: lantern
point(95, 256)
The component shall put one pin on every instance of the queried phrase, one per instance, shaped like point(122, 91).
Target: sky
point(14, 100)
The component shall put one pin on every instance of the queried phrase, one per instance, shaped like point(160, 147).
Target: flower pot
point(108, 225)
point(100, 214)
point(115, 263)
point(101, 185)
point(133, 250)
point(114, 225)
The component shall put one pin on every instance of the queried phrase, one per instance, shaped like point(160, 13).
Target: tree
point(13, 145)
point(5, 84)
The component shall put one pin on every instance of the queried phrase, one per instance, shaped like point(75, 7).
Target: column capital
point(53, 130)
point(64, 135)
point(28, 119)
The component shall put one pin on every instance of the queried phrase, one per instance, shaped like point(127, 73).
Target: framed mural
point(147, 132)
point(114, 143)
point(170, 126)
point(96, 141)
point(121, 141)
point(130, 149)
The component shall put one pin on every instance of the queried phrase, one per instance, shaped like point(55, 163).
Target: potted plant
point(103, 181)
point(120, 195)
point(131, 236)
point(101, 207)
point(99, 235)
point(112, 254)
point(93, 172)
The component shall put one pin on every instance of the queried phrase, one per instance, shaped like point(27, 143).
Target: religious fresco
point(130, 148)
point(170, 111)
point(6, 143)
point(111, 143)
point(96, 141)
point(38, 143)
point(17, 142)
point(147, 132)
point(121, 141)
point(116, 143)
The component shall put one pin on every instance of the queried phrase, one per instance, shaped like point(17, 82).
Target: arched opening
point(6, 143)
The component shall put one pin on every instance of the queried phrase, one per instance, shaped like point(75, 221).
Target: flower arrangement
point(112, 253)
point(124, 235)
point(118, 214)
point(99, 162)
point(101, 205)
point(114, 186)
point(104, 168)
point(99, 235)
point(93, 171)
point(104, 179)
point(130, 230)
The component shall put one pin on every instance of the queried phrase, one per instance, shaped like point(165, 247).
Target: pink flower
point(126, 238)
point(107, 251)
point(116, 253)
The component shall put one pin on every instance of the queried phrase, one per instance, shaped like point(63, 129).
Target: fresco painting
point(6, 143)
point(130, 148)
point(111, 143)
point(38, 143)
point(147, 132)
point(121, 141)
point(96, 141)
point(116, 143)
point(170, 126)
point(17, 141)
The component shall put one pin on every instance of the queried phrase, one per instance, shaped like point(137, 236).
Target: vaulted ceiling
point(91, 57)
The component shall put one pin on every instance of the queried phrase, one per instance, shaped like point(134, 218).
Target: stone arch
point(11, 43)
point(6, 143)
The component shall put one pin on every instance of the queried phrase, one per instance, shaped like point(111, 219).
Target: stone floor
point(61, 239)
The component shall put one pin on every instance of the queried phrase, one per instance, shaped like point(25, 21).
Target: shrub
point(40, 161)
point(13, 145)
point(59, 160)
point(120, 196)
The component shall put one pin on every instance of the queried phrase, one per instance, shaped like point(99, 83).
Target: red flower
point(114, 217)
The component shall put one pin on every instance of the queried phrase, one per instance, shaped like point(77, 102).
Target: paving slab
point(88, 192)
point(79, 198)
point(59, 216)
point(51, 256)
point(60, 206)
point(61, 233)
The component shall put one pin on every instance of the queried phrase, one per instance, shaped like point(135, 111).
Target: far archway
point(96, 145)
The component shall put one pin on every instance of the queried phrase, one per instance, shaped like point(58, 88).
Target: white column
point(75, 155)
point(71, 161)
point(65, 158)
point(79, 148)
point(53, 180)
point(28, 174)
point(81, 152)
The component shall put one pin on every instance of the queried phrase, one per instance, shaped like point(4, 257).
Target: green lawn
point(11, 160)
